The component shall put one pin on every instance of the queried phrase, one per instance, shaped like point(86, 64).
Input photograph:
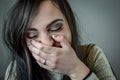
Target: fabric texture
point(94, 59)
point(97, 63)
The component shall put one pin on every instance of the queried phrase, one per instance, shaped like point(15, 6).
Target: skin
point(49, 38)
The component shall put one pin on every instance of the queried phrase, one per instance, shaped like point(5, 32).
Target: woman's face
point(49, 21)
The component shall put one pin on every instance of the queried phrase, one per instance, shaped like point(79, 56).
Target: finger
point(42, 47)
point(48, 61)
point(39, 53)
point(64, 43)
point(40, 61)
point(35, 56)
point(37, 44)
point(39, 58)
point(44, 66)
point(33, 49)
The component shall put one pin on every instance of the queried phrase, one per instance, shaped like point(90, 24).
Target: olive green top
point(95, 60)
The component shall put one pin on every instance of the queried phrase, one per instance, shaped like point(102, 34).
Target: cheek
point(67, 34)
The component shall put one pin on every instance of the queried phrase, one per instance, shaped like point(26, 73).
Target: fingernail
point(55, 36)
point(30, 41)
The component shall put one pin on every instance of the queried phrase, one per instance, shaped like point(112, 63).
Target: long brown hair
point(15, 27)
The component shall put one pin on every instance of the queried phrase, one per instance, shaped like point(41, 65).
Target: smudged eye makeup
point(54, 26)
point(32, 34)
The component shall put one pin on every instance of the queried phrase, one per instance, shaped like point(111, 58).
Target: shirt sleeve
point(99, 65)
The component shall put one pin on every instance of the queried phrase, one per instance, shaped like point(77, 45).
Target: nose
point(46, 39)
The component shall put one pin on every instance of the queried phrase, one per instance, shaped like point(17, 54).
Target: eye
point(32, 34)
point(56, 27)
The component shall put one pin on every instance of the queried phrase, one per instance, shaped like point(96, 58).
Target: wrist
point(87, 75)
point(80, 72)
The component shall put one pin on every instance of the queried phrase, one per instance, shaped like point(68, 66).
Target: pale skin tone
point(49, 38)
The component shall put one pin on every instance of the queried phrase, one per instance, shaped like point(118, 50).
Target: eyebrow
point(54, 21)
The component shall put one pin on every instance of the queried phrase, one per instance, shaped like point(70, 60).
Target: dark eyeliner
point(56, 27)
point(30, 37)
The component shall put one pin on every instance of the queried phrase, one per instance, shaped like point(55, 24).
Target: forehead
point(47, 12)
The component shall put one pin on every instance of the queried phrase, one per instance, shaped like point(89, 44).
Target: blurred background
point(99, 23)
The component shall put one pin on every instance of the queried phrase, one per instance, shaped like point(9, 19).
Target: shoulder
point(91, 49)
point(94, 55)
point(98, 63)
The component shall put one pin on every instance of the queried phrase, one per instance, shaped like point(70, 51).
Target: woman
point(43, 40)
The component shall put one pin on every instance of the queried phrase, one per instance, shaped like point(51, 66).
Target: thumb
point(61, 39)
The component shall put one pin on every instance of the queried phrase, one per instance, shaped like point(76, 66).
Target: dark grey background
point(99, 23)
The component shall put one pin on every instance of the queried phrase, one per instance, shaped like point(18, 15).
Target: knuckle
point(41, 47)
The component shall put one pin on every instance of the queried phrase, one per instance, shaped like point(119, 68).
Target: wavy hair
point(16, 25)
